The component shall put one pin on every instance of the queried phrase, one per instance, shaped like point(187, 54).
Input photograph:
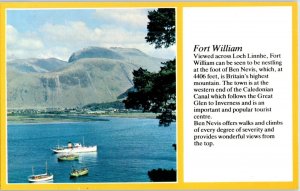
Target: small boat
point(68, 157)
point(36, 178)
point(74, 148)
point(79, 172)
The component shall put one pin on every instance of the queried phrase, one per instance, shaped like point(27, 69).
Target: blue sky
point(58, 33)
point(25, 20)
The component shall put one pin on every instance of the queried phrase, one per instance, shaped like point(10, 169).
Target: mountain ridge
point(96, 79)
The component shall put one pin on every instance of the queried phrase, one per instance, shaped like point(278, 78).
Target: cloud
point(30, 44)
point(71, 32)
point(126, 17)
point(21, 45)
point(114, 28)
point(77, 35)
point(62, 53)
point(26, 41)
point(12, 34)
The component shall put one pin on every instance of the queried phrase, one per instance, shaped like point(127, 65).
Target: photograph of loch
point(91, 95)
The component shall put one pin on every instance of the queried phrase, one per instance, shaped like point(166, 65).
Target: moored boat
point(47, 177)
point(79, 172)
point(36, 178)
point(74, 148)
point(68, 157)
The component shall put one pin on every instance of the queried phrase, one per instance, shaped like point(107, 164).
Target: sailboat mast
point(46, 167)
point(82, 141)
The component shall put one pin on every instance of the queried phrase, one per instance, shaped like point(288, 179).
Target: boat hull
point(68, 157)
point(78, 173)
point(40, 178)
point(76, 150)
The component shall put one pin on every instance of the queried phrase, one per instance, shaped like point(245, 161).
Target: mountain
point(131, 55)
point(94, 52)
point(92, 75)
point(34, 65)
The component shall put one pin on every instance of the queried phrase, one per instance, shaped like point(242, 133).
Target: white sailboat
point(36, 178)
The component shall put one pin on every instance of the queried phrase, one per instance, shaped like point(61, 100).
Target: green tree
point(161, 27)
point(162, 175)
point(156, 92)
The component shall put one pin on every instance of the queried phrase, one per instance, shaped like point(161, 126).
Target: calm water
point(127, 149)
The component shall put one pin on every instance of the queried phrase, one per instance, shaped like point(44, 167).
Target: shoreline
point(73, 118)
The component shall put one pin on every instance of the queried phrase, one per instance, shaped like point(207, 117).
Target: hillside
point(35, 65)
point(92, 75)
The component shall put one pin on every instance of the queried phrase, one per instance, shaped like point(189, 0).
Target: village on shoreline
point(48, 115)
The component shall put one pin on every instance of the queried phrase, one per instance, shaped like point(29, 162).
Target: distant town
point(86, 113)
point(69, 111)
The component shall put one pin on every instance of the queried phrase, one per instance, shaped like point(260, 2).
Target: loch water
point(127, 149)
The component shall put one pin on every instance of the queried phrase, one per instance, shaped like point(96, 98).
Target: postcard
point(149, 95)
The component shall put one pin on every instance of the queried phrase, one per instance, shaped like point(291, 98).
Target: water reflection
point(88, 157)
point(127, 150)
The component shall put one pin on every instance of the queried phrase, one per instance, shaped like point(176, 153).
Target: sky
point(46, 33)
